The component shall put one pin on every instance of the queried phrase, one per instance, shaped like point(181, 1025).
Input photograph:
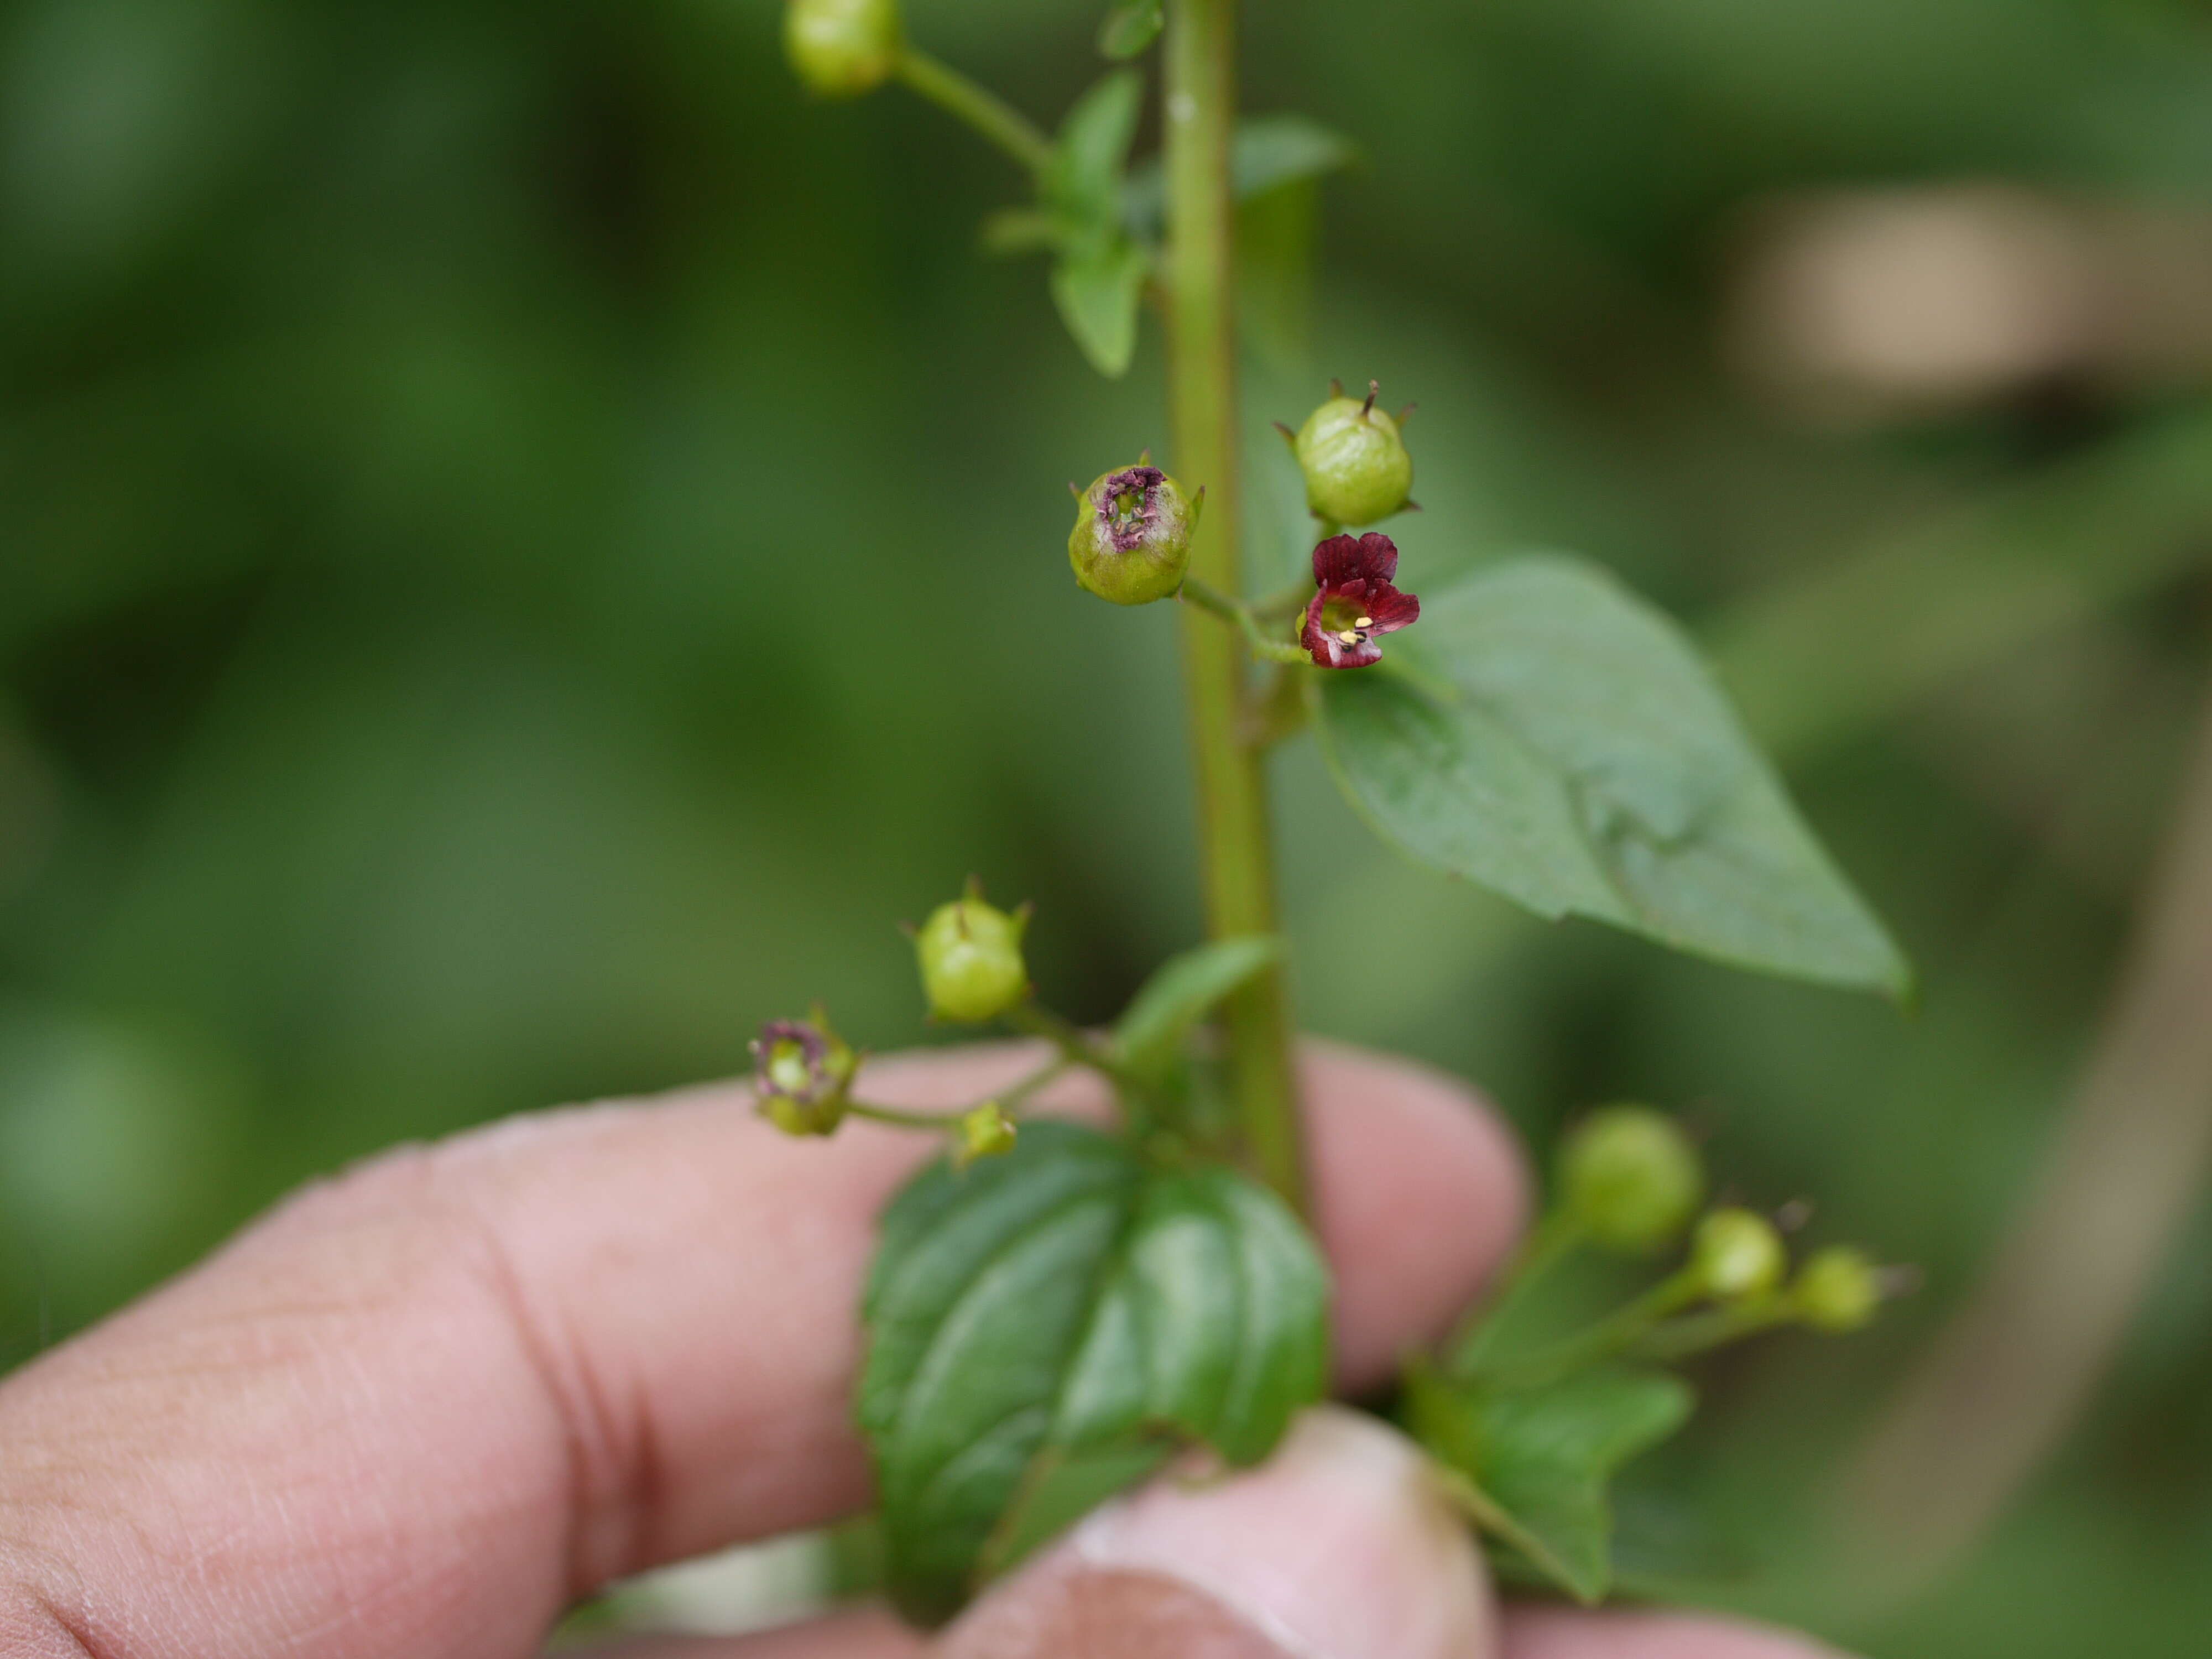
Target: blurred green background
point(525, 544)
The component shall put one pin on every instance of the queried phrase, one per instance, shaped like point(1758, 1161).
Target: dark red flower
point(1356, 603)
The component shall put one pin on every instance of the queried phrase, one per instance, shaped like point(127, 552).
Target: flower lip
point(1125, 521)
point(1354, 602)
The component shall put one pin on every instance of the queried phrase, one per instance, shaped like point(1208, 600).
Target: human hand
point(421, 1407)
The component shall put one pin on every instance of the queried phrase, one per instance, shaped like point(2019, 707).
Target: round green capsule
point(1355, 463)
point(986, 1132)
point(1837, 1289)
point(842, 48)
point(1131, 543)
point(971, 961)
point(1629, 1178)
point(1737, 1254)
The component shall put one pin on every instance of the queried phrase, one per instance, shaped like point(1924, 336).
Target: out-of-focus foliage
point(526, 543)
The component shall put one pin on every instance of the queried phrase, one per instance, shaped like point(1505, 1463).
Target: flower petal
point(1378, 557)
point(1390, 609)
point(1337, 561)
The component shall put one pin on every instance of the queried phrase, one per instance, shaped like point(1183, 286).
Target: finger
point(1339, 1548)
point(1568, 1633)
point(420, 1408)
point(868, 1633)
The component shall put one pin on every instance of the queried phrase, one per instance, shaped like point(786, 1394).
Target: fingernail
point(1338, 1547)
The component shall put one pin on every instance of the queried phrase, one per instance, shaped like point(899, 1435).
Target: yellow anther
point(1364, 622)
point(1350, 636)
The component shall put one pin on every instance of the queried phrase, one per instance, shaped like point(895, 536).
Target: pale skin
point(423, 1406)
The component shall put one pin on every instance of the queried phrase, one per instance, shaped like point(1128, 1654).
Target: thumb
point(1338, 1547)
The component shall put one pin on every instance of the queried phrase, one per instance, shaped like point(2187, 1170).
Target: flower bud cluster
point(1630, 1181)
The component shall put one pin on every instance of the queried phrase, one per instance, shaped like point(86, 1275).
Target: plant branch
point(1076, 1045)
point(1207, 598)
point(1607, 1337)
point(910, 1117)
point(1711, 1327)
point(1199, 60)
point(980, 108)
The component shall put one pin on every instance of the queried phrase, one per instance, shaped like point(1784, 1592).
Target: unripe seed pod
point(1737, 1254)
point(1131, 543)
point(986, 1132)
point(803, 1071)
point(971, 960)
point(1629, 1178)
point(842, 48)
point(1837, 1289)
point(1356, 466)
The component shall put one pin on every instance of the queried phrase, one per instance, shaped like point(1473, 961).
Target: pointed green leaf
point(1019, 230)
point(1148, 1038)
point(1541, 1459)
point(1060, 1301)
point(1097, 295)
point(1547, 733)
point(1129, 27)
point(1084, 183)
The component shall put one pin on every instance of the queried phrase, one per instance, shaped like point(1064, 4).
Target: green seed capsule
point(803, 1070)
point(971, 960)
point(1356, 466)
point(1131, 543)
point(1629, 1178)
point(986, 1132)
point(842, 48)
point(1737, 1254)
point(1837, 1289)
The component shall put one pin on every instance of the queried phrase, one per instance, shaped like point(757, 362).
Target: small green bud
point(1837, 1289)
point(972, 959)
point(842, 48)
point(1132, 537)
point(803, 1071)
point(1737, 1254)
point(1356, 469)
point(984, 1133)
point(1629, 1178)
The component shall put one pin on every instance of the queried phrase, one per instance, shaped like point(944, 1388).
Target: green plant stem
point(980, 108)
point(1615, 1334)
point(1076, 1045)
point(912, 1117)
point(1199, 60)
point(1217, 604)
point(1712, 1328)
point(907, 1117)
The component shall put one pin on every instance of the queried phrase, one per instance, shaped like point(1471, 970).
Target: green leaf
point(1059, 1302)
point(1020, 230)
point(1540, 1459)
point(1084, 186)
point(1148, 1038)
point(1547, 733)
point(1129, 27)
point(1098, 294)
point(1268, 152)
